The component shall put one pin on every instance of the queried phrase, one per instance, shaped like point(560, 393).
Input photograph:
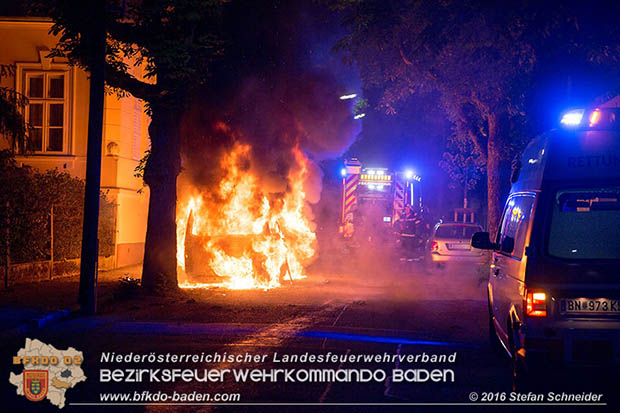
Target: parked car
point(450, 242)
point(554, 286)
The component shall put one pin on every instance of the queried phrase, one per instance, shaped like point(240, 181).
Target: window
point(457, 231)
point(585, 223)
point(47, 110)
point(515, 222)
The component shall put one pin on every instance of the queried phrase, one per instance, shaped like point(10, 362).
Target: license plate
point(458, 247)
point(589, 306)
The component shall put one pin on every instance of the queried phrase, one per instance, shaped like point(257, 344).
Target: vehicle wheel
point(520, 376)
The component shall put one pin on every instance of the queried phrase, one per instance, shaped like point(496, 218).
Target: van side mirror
point(482, 241)
point(508, 245)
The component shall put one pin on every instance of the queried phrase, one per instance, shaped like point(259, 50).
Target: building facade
point(58, 96)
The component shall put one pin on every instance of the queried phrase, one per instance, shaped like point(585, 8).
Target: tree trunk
point(159, 273)
point(89, 256)
point(493, 178)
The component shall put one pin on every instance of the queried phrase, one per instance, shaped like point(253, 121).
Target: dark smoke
point(273, 116)
point(277, 89)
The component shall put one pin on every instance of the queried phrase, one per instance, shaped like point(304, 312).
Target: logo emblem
point(47, 372)
point(36, 384)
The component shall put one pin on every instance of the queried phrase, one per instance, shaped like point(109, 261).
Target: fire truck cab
point(374, 198)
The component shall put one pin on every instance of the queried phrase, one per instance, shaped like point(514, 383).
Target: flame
point(251, 238)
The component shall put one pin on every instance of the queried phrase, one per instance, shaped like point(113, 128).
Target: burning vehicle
point(252, 238)
point(251, 175)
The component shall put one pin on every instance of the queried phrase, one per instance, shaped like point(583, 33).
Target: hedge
point(26, 200)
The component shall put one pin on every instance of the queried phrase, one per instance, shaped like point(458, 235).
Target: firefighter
point(409, 212)
point(407, 230)
point(426, 224)
point(348, 225)
point(412, 232)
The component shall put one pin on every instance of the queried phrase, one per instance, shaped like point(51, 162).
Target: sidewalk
point(27, 303)
point(28, 307)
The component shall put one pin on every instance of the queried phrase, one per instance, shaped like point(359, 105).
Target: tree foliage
point(12, 123)
point(481, 58)
point(173, 41)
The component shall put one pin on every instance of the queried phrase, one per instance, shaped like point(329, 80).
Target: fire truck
point(374, 198)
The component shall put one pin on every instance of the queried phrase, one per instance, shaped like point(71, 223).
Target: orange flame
point(250, 238)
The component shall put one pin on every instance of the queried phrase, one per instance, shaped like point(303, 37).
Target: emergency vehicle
point(554, 286)
point(376, 197)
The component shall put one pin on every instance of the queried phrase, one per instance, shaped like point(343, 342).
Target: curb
point(38, 323)
point(52, 318)
point(46, 320)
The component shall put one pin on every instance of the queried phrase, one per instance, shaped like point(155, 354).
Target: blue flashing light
point(412, 176)
point(343, 172)
point(572, 117)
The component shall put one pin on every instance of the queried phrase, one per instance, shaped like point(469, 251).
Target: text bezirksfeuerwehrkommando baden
point(301, 375)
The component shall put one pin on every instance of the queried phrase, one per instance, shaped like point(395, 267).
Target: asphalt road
point(373, 307)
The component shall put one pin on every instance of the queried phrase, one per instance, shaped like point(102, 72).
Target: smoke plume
point(273, 116)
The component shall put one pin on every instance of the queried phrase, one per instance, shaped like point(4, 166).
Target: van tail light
point(536, 304)
point(434, 246)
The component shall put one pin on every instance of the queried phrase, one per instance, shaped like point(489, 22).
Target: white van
point(554, 287)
